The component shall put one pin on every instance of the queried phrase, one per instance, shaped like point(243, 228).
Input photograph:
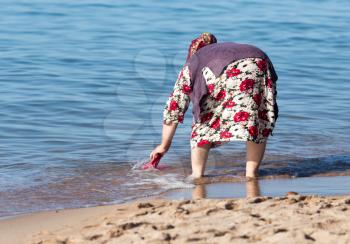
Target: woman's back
point(233, 91)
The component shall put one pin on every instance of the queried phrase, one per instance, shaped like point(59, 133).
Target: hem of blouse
point(168, 122)
point(220, 143)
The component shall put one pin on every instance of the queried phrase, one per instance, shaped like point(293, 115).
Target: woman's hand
point(160, 149)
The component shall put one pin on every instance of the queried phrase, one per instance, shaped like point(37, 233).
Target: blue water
point(83, 85)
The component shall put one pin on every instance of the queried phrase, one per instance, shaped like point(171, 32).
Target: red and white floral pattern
point(240, 105)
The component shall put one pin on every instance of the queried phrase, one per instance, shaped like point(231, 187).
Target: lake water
point(83, 85)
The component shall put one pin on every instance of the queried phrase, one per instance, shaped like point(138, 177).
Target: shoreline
point(221, 187)
point(300, 218)
point(124, 184)
point(50, 226)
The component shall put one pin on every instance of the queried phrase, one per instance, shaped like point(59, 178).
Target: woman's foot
point(251, 177)
point(191, 179)
point(252, 169)
point(255, 153)
point(195, 176)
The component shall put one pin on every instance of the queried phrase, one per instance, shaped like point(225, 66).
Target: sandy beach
point(292, 218)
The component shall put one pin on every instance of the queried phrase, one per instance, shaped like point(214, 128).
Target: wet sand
point(291, 218)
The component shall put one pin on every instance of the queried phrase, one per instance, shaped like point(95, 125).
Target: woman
point(232, 88)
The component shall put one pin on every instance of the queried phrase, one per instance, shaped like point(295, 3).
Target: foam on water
point(154, 177)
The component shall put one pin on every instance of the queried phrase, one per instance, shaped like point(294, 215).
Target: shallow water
point(322, 186)
point(83, 85)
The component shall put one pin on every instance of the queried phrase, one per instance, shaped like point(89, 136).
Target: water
point(83, 84)
point(276, 187)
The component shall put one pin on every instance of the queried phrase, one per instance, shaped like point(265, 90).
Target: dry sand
point(290, 219)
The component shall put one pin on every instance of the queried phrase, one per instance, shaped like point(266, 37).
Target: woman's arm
point(168, 133)
point(174, 111)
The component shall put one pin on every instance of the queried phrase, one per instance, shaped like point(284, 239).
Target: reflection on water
point(338, 185)
point(252, 189)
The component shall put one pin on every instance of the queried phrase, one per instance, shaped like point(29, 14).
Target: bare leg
point(199, 156)
point(255, 153)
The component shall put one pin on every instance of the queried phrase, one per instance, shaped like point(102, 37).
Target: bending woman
point(232, 88)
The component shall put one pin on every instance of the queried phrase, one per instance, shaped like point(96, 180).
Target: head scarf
point(203, 40)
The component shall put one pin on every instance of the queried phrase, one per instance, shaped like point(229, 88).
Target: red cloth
point(203, 40)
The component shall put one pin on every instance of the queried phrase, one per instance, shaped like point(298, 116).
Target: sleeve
point(179, 99)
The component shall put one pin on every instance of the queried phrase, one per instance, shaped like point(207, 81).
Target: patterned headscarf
point(203, 40)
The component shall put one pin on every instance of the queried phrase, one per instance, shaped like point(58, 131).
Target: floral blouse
point(241, 104)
